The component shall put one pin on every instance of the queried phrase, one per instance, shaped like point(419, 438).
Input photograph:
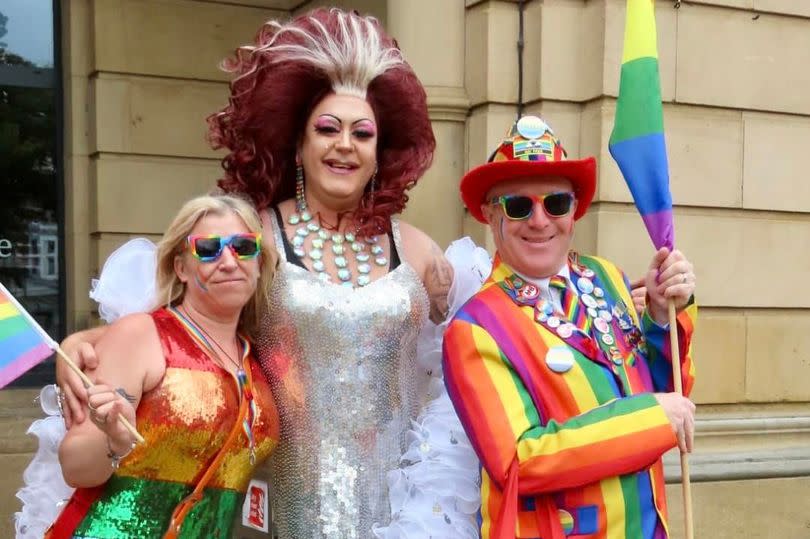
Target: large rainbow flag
point(637, 142)
point(23, 343)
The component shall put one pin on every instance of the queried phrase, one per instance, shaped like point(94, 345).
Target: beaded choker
point(340, 245)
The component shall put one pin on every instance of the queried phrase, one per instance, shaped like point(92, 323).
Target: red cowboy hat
point(530, 150)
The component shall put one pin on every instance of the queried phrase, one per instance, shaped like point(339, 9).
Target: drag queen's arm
point(436, 272)
point(438, 278)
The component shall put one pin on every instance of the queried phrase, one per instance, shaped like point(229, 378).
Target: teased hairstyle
point(286, 73)
point(174, 244)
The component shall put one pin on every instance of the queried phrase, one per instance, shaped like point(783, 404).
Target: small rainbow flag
point(637, 142)
point(23, 343)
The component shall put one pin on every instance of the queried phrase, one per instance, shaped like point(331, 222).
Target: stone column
point(431, 35)
point(77, 52)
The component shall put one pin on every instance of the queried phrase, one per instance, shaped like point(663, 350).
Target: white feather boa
point(436, 491)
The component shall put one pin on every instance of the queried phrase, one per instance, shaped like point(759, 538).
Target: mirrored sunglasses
point(209, 248)
point(520, 207)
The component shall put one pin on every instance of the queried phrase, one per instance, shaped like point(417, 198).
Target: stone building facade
point(139, 77)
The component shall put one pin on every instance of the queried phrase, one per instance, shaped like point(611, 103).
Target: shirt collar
point(543, 283)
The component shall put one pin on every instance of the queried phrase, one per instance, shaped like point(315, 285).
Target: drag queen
point(326, 129)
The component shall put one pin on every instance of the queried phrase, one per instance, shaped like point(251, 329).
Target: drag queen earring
point(373, 188)
point(300, 199)
point(338, 244)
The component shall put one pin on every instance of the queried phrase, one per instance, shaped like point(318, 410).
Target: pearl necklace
point(341, 244)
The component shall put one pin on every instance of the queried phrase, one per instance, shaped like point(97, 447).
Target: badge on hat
point(533, 140)
point(532, 127)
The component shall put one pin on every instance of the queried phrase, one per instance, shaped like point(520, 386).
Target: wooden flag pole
point(686, 484)
point(87, 383)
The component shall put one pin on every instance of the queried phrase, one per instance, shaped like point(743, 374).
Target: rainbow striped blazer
point(574, 453)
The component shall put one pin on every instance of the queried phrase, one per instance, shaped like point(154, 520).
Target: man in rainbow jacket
point(564, 390)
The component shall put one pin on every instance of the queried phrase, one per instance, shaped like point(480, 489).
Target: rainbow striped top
point(573, 449)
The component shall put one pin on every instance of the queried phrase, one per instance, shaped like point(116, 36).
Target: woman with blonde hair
point(185, 376)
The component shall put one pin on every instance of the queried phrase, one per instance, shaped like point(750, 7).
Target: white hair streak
point(351, 58)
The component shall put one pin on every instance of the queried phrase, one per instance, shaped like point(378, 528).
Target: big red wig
point(282, 77)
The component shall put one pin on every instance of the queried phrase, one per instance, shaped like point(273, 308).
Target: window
point(31, 220)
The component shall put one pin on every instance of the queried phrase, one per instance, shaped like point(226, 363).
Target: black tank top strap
point(289, 254)
point(395, 261)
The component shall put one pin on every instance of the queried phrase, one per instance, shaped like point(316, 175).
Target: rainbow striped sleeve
point(657, 337)
point(22, 343)
point(617, 438)
point(637, 142)
point(658, 351)
point(504, 424)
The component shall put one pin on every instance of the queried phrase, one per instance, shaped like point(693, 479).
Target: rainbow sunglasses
point(244, 246)
point(520, 207)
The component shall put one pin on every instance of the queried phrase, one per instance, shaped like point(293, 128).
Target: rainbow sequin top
point(185, 421)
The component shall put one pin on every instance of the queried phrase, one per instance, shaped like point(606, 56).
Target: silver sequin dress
point(342, 363)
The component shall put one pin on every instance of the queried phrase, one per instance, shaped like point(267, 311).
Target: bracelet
point(115, 460)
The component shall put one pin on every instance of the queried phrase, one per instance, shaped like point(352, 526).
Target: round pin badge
point(540, 316)
point(605, 315)
point(617, 360)
point(585, 285)
point(566, 521)
point(598, 292)
point(559, 359)
point(592, 312)
point(587, 272)
point(553, 322)
point(607, 338)
point(531, 127)
point(565, 330)
point(601, 325)
point(588, 300)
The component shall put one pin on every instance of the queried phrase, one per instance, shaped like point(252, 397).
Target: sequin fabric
point(185, 421)
point(343, 369)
